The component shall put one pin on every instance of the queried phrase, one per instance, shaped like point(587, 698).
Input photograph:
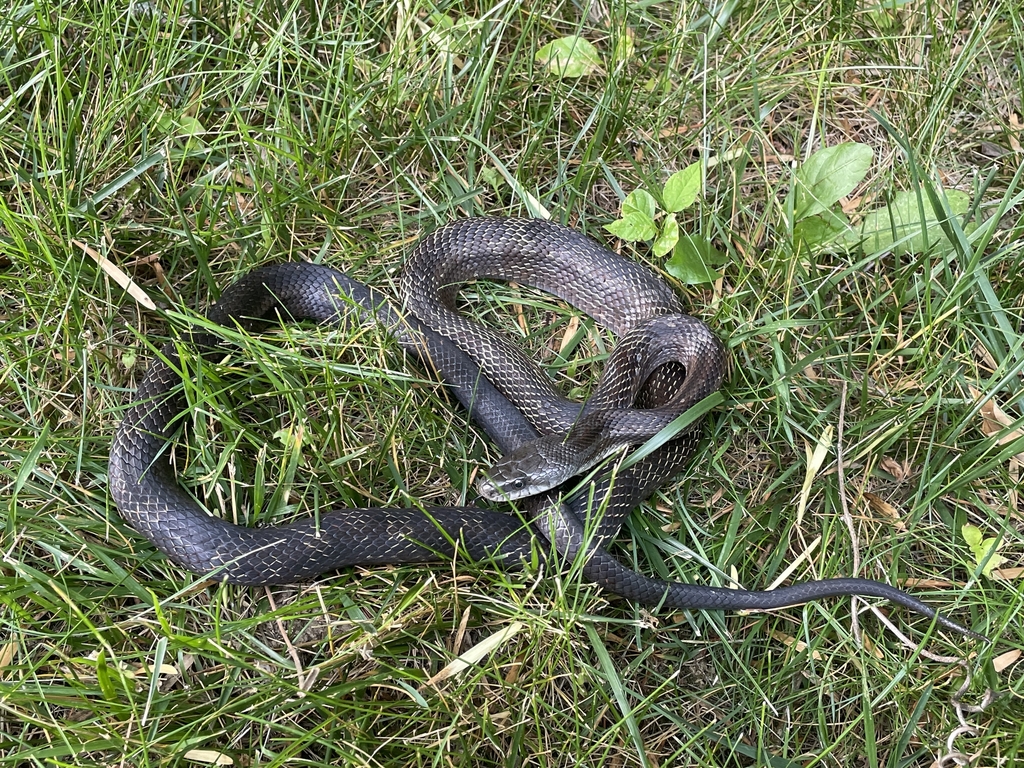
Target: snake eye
point(518, 484)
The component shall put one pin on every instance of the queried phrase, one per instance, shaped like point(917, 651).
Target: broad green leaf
point(571, 56)
point(823, 230)
point(829, 175)
point(898, 226)
point(633, 226)
point(692, 260)
point(682, 188)
point(981, 547)
point(641, 201)
point(667, 238)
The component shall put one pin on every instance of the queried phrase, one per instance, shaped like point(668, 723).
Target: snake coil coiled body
point(666, 362)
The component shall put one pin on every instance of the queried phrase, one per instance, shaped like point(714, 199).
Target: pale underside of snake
point(664, 363)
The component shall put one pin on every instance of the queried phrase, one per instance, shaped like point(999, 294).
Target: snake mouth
point(493, 491)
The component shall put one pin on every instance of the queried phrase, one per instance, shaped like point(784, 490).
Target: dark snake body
point(668, 362)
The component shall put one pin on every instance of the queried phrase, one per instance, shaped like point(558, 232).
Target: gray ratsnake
point(664, 363)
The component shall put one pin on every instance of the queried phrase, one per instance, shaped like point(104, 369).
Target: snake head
point(498, 485)
point(534, 468)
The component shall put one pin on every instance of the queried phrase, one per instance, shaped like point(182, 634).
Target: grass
point(189, 144)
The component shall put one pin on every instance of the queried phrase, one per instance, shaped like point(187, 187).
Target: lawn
point(872, 422)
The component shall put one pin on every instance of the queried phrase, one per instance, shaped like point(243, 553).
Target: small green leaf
point(972, 535)
point(571, 56)
point(632, 227)
point(692, 259)
point(898, 226)
point(829, 175)
point(451, 34)
point(181, 127)
point(442, 20)
point(624, 47)
point(886, 13)
point(682, 188)
point(981, 547)
point(640, 201)
point(165, 124)
point(190, 126)
point(491, 176)
point(660, 85)
point(103, 680)
point(668, 237)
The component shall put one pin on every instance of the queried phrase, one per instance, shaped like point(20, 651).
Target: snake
point(664, 363)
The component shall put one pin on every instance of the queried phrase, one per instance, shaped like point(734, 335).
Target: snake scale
point(664, 363)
